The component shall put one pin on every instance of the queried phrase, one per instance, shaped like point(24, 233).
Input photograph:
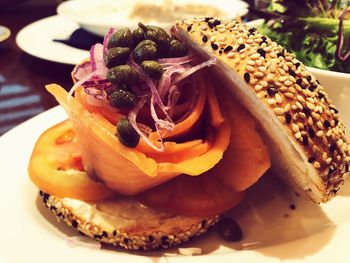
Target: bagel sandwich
point(179, 167)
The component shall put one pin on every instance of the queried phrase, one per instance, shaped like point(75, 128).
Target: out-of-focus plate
point(4, 33)
point(273, 232)
point(37, 38)
point(98, 16)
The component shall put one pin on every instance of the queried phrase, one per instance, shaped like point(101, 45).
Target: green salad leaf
point(311, 29)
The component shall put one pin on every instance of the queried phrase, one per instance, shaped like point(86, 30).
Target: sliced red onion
point(92, 100)
point(194, 69)
point(79, 83)
point(152, 88)
point(165, 62)
point(96, 57)
point(163, 124)
point(173, 97)
point(82, 70)
point(165, 81)
point(106, 39)
point(341, 37)
point(132, 118)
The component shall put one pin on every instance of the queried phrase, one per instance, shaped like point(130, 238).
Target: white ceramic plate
point(98, 16)
point(272, 231)
point(37, 38)
point(4, 33)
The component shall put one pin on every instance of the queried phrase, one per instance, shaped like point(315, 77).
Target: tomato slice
point(201, 195)
point(55, 166)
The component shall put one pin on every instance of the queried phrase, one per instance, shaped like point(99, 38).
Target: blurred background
point(42, 40)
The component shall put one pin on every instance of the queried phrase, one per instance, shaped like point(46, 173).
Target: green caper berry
point(123, 74)
point(177, 49)
point(158, 35)
point(152, 69)
point(138, 35)
point(121, 38)
point(117, 56)
point(122, 99)
point(145, 50)
point(126, 133)
point(229, 230)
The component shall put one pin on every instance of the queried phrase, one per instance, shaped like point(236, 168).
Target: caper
point(122, 99)
point(138, 35)
point(123, 74)
point(145, 50)
point(117, 56)
point(121, 38)
point(229, 230)
point(126, 133)
point(152, 69)
point(158, 35)
point(177, 49)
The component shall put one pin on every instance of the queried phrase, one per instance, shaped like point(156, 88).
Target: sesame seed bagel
point(306, 137)
point(127, 223)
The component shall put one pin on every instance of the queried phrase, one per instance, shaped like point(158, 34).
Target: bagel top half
point(306, 137)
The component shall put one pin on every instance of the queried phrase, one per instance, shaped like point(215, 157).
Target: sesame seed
point(311, 159)
point(278, 111)
point(288, 117)
point(289, 95)
point(255, 56)
point(295, 128)
point(329, 160)
point(310, 105)
point(258, 87)
point(298, 104)
point(317, 165)
point(250, 68)
point(288, 83)
point(240, 47)
point(258, 74)
point(261, 52)
point(319, 134)
point(214, 46)
point(246, 77)
point(251, 62)
point(281, 71)
point(271, 101)
point(259, 62)
point(272, 91)
point(262, 69)
point(231, 55)
point(311, 132)
point(228, 48)
point(204, 39)
point(297, 135)
point(189, 28)
point(305, 141)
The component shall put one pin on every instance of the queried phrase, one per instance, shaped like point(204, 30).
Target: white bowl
point(98, 16)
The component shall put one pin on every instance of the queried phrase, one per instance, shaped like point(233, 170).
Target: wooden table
point(23, 77)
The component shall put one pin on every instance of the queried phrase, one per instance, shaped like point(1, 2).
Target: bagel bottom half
point(124, 222)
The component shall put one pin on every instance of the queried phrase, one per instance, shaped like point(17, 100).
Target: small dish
point(98, 16)
point(43, 45)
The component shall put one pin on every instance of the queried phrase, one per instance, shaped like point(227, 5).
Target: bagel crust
point(306, 137)
point(126, 223)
